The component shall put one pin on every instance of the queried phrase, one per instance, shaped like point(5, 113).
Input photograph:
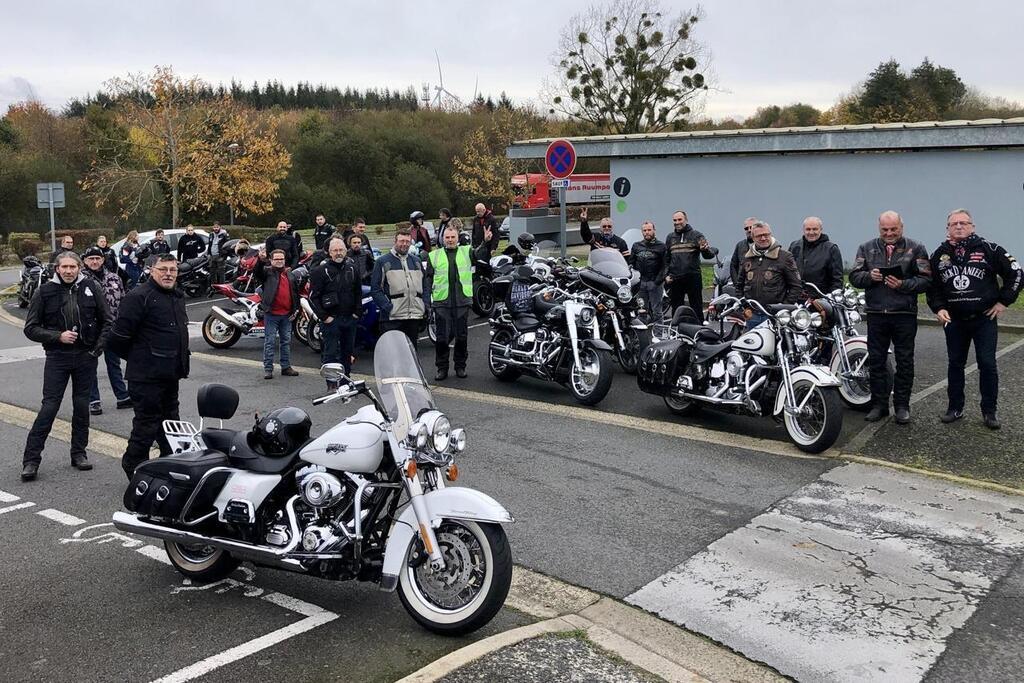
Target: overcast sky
point(764, 51)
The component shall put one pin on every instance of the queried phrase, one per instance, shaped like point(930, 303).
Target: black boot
point(442, 375)
point(876, 414)
point(29, 471)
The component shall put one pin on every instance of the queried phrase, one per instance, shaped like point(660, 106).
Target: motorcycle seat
point(525, 322)
point(694, 331)
point(192, 465)
point(702, 351)
point(185, 267)
point(244, 457)
point(218, 439)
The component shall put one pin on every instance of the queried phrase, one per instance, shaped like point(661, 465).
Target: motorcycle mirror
point(574, 259)
point(333, 372)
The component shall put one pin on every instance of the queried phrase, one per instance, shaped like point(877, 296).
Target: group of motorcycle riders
point(89, 308)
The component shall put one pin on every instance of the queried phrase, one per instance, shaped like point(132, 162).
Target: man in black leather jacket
point(819, 260)
point(151, 333)
point(649, 257)
point(891, 310)
point(285, 242)
point(69, 317)
point(604, 239)
point(685, 247)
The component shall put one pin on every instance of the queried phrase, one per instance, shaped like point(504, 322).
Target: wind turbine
point(440, 88)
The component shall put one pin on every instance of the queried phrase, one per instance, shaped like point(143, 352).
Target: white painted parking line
point(16, 355)
point(19, 506)
point(62, 517)
point(875, 568)
point(205, 666)
point(154, 553)
point(8, 497)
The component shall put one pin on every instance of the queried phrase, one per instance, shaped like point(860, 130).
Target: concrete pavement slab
point(873, 567)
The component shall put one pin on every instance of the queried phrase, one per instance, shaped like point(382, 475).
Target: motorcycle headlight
point(417, 434)
point(801, 319)
point(816, 320)
point(625, 294)
point(862, 300)
point(459, 440)
point(783, 318)
point(850, 298)
point(441, 434)
point(587, 315)
point(854, 316)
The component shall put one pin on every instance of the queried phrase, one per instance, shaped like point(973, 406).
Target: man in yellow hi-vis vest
point(450, 283)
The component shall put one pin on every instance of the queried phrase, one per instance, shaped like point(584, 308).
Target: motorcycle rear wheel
point(502, 370)
point(483, 299)
point(301, 328)
point(472, 587)
point(201, 564)
point(315, 337)
point(816, 429)
point(682, 406)
point(219, 334)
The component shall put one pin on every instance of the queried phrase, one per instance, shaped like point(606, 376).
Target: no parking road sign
point(560, 159)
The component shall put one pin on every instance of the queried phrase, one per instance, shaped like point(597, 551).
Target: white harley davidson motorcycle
point(367, 500)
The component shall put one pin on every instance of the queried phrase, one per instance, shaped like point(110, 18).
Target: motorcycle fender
point(599, 344)
point(851, 343)
point(448, 503)
point(638, 324)
point(307, 308)
point(226, 318)
point(818, 374)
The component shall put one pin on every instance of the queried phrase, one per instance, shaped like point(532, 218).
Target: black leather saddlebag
point(162, 487)
point(661, 364)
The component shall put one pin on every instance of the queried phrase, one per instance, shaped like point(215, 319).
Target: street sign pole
point(53, 230)
point(561, 220)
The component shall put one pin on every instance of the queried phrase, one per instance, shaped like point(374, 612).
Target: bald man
point(892, 270)
point(485, 219)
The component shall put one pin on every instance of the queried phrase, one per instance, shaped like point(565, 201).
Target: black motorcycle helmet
point(281, 431)
point(526, 241)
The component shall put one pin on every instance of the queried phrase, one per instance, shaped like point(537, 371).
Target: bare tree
point(625, 67)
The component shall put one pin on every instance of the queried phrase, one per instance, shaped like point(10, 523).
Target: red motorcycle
point(222, 329)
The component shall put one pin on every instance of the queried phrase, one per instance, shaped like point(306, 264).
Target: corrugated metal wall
point(847, 191)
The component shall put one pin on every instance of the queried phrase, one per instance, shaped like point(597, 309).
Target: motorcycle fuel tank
point(759, 341)
point(355, 445)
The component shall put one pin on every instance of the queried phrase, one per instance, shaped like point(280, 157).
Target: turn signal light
point(410, 469)
point(453, 472)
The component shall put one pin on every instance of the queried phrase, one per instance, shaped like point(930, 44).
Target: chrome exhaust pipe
point(226, 318)
point(712, 399)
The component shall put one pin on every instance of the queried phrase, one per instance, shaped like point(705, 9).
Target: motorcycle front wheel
point(471, 588)
point(301, 328)
point(636, 341)
point(590, 381)
point(219, 334)
point(816, 427)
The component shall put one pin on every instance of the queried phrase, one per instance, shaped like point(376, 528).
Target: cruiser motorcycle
point(549, 333)
point(368, 500)
point(620, 310)
point(767, 371)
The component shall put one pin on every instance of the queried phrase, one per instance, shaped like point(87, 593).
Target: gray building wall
point(847, 191)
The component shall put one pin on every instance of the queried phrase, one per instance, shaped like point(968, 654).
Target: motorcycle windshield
point(609, 262)
point(632, 236)
point(548, 249)
point(400, 382)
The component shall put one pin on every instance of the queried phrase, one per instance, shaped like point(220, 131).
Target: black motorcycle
point(194, 276)
point(620, 310)
point(32, 275)
point(549, 333)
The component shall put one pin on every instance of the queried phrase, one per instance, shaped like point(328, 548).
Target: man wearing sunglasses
point(968, 298)
point(741, 249)
point(151, 333)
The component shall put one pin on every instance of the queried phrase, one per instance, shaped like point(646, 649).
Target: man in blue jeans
point(973, 282)
point(336, 295)
point(279, 303)
point(113, 290)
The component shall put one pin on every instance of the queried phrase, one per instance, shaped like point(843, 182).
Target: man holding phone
point(892, 270)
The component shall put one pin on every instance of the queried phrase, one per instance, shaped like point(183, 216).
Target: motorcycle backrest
point(217, 401)
point(684, 314)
